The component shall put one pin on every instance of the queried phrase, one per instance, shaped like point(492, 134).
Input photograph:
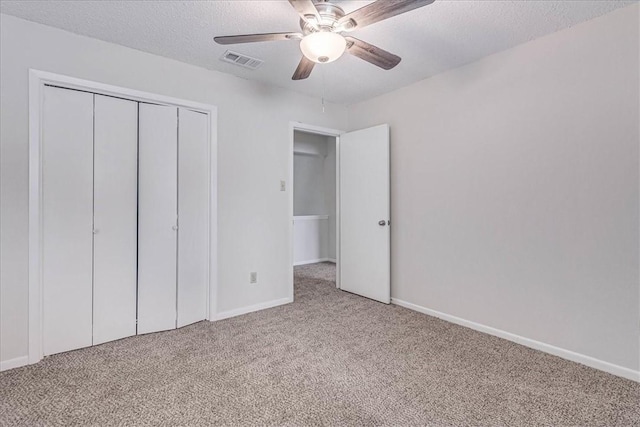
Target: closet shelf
point(309, 217)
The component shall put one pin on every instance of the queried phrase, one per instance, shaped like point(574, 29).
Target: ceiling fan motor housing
point(329, 16)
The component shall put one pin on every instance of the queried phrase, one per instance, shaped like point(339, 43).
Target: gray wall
point(515, 189)
point(310, 152)
point(253, 148)
point(308, 197)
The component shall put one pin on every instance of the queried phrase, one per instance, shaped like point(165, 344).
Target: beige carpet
point(330, 358)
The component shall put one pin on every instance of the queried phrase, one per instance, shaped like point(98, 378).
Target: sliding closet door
point(157, 217)
point(67, 200)
point(115, 218)
point(193, 216)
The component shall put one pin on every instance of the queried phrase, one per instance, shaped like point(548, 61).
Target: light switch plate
point(283, 186)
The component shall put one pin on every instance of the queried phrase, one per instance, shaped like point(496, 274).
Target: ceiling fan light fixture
point(323, 46)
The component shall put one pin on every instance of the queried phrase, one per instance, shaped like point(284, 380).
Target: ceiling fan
point(323, 25)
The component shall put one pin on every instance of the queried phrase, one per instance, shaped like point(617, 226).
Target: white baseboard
point(313, 261)
point(5, 365)
point(592, 362)
point(251, 308)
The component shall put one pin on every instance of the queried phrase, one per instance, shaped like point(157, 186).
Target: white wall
point(515, 189)
point(310, 239)
point(253, 135)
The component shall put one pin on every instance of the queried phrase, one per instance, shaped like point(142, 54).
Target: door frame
point(318, 130)
point(37, 81)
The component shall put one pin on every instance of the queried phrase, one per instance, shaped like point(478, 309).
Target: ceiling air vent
point(241, 60)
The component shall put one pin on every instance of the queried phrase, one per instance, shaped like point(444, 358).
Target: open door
point(365, 244)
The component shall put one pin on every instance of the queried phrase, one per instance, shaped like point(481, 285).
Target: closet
point(125, 218)
point(314, 198)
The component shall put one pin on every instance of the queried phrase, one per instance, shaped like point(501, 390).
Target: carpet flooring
point(329, 358)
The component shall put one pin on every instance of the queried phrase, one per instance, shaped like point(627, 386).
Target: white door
point(157, 217)
point(365, 213)
point(67, 200)
point(115, 218)
point(193, 216)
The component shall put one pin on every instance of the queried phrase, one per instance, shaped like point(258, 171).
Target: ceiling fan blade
point(371, 53)
point(252, 38)
point(304, 69)
point(377, 11)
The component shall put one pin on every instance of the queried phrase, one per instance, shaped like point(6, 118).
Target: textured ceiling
point(430, 40)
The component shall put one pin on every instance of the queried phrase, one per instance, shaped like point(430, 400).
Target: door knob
point(95, 231)
point(174, 228)
point(382, 222)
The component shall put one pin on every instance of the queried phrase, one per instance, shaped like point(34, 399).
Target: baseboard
point(5, 365)
point(252, 308)
point(313, 261)
point(592, 362)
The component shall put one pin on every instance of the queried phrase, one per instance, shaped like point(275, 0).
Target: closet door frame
point(318, 130)
point(37, 81)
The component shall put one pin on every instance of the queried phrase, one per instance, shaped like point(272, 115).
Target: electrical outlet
point(253, 277)
point(283, 186)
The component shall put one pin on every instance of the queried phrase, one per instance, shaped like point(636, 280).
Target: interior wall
point(253, 134)
point(515, 189)
point(309, 197)
point(309, 153)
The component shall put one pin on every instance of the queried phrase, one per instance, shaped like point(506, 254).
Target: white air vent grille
point(241, 60)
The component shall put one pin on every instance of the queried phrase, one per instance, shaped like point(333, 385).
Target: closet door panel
point(67, 203)
point(115, 218)
point(157, 217)
point(193, 216)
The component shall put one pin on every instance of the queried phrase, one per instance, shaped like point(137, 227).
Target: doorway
point(314, 198)
point(362, 206)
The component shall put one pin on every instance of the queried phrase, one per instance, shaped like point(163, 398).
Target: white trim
point(37, 80)
point(14, 363)
point(313, 261)
point(310, 217)
point(252, 308)
point(212, 292)
point(338, 264)
point(592, 362)
point(68, 82)
point(36, 93)
point(293, 126)
point(314, 129)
